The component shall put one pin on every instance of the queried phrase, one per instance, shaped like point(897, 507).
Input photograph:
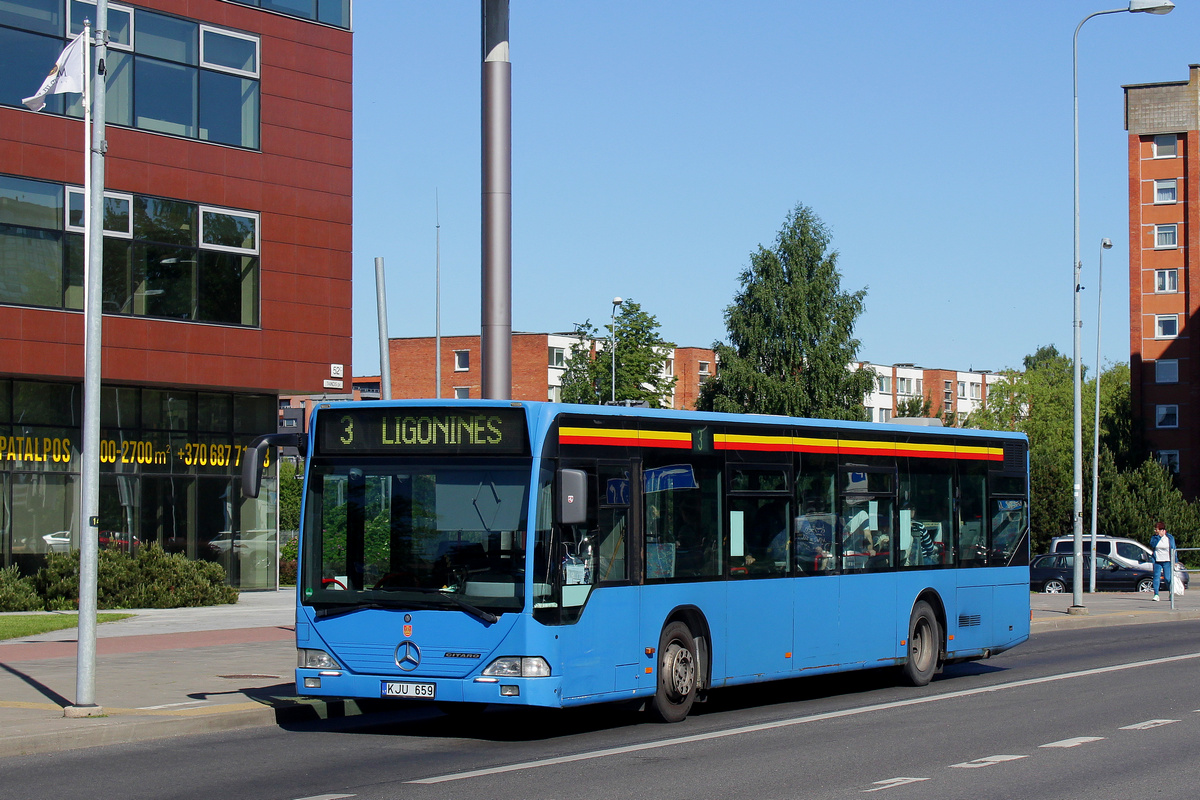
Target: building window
point(1166, 326)
point(1164, 191)
point(462, 361)
point(962, 389)
point(554, 394)
point(1166, 280)
point(1169, 459)
point(884, 382)
point(289, 422)
point(920, 390)
point(558, 357)
point(1166, 237)
point(162, 258)
point(976, 391)
point(1166, 145)
point(330, 12)
point(885, 414)
point(947, 392)
point(165, 74)
point(462, 392)
point(904, 386)
point(1166, 416)
point(1166, 370)
point(668, 367)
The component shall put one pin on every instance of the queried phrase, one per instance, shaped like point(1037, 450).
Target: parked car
point(1055, 572)
point(1126, 552)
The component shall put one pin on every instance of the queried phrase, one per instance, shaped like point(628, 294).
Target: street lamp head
point(1151, 6)
point(1106, 244)
point(617, 301)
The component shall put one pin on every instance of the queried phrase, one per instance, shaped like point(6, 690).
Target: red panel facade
point(299, 183)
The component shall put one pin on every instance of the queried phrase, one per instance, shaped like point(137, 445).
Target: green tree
point(641, 358)
point(791, 332)
point(289, 496)
point(915, 407)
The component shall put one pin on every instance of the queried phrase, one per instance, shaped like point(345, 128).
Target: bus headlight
point(315, 659)
point(518, 667)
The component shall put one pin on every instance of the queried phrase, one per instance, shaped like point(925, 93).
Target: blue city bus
point(524, 553)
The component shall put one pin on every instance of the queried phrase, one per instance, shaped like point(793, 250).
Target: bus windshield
point(436, 534)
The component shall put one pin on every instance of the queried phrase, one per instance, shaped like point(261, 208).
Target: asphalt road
point(1094, 713)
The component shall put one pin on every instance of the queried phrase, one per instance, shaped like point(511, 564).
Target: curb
point(1066, 622)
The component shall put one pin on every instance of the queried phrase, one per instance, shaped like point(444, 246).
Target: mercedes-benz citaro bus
point(524, 553)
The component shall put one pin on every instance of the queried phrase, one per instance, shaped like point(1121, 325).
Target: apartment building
point(226, 268)
point(1163, 125)
point(538, 363)
point(953, 391)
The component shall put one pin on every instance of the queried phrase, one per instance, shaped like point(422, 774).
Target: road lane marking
point(172, 705)
point(1148, 724)
point(987, 761)
point(1078, 740)
point(893, 782)
point(787, 723)
point(326, 797)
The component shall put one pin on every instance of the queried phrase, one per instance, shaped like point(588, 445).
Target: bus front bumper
point(511, 691)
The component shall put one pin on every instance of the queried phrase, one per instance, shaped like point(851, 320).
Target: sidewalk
point(173, 672)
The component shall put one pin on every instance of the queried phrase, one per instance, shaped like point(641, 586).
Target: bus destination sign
point(390, 431)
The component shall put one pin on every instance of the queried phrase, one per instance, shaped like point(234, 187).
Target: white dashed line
point(986, 762)
point(1148, 724)
point(892, 783)
point(326, 797)
point(1078, 740)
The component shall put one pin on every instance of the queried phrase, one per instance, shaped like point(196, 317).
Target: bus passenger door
point(601, 648)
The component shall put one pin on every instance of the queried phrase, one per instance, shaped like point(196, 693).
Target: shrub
point(151, 579)
point(17, 592)
point(289, 556)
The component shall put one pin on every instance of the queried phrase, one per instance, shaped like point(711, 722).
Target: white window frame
point(1159, 319)
point(557, 357)
point(976, 391)
point(1173, 183)
point(232, 35)
point(128, 198)
point(704, 368)
point(1166, 370)
point(1162, 229)
point(462, 392)
point(461, 356)
point(884, 382)
point(962, 389)
point(885, 415)
point(1166, 411)
point(113, 43)
point(1166, 281)
point(1161, 137)
point(1169, 459)
point(904, 386)
point(229, 212)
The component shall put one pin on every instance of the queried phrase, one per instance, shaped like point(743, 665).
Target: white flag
point(67, 75)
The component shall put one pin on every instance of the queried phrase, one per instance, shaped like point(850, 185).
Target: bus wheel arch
point(683, 667)
point(926, 640)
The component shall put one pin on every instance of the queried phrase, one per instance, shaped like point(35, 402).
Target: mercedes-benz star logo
point(408, 656)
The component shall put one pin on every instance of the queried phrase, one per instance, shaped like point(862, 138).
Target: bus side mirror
point(252, 459)
point(572, 497)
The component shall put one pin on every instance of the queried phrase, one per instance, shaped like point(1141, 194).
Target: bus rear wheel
point(924, 645)
point(677, 674)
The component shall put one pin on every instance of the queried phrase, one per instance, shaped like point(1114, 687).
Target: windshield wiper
point(479, 613)
point(350, 608)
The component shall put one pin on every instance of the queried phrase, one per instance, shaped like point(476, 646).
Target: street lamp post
point(613, 343)
point(1077, 607)
point(1105, 244)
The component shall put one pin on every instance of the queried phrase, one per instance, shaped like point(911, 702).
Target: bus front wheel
point(677, 674)
point(924, 645)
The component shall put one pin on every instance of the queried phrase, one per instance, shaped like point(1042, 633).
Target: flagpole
point(85, 669)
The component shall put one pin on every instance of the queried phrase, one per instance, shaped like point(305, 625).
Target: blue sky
point(656, 144)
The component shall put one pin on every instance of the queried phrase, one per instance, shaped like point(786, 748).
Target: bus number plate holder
point(418, 691)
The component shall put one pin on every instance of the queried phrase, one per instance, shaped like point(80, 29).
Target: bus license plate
point(422, 691)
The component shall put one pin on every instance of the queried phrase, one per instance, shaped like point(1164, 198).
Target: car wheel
point(1054, 586)
point(677, 674)
point(1145, 585)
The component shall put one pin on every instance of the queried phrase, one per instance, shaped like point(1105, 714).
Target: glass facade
point(162, 258)
point(170, 465)
point(330, 12)
point(165, 73)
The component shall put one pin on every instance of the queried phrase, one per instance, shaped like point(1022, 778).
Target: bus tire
point(678, 671)
point(924, 645)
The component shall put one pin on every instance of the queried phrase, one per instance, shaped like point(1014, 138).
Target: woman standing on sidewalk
point(1163, 545)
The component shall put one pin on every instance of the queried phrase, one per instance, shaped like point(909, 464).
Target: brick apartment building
point(227, 266)
point(1163, 124)
point(952, 391)
point(538, 362)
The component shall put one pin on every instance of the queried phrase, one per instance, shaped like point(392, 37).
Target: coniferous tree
point(791, 332)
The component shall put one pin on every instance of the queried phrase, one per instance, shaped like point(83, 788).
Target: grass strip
point(18, 626)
